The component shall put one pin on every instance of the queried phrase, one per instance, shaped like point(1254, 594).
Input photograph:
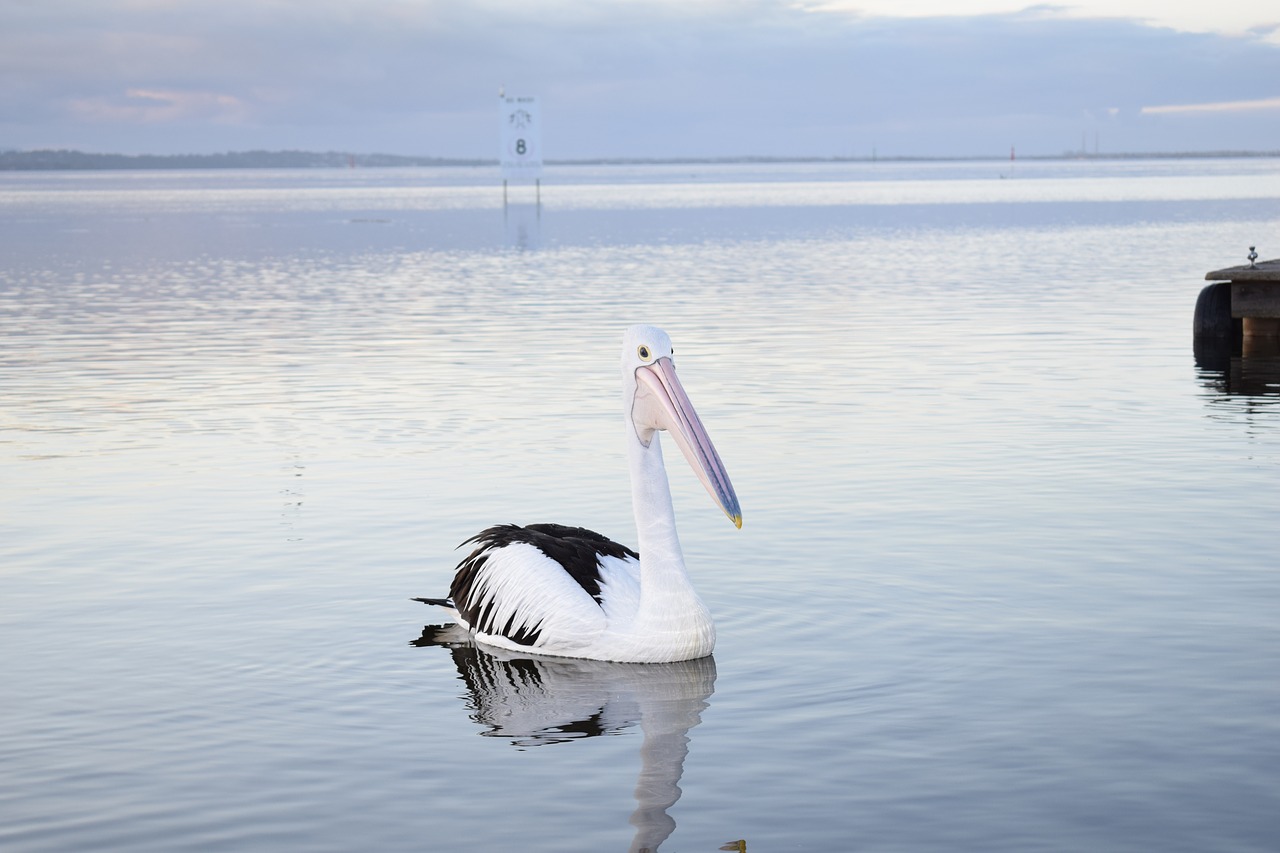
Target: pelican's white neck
point(669, 605)
point(651, 502)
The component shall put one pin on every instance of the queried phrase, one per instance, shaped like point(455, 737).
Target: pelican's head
point(656, 401)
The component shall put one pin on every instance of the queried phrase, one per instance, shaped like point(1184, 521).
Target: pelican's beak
point(661, 403)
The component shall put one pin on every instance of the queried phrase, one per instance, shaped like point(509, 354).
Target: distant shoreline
point(69, 160)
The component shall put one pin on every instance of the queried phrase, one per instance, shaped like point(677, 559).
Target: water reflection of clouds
point(532, 701)
point(925, 401)
point(572, 189)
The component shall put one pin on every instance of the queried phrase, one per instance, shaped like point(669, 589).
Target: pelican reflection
point(535, 701)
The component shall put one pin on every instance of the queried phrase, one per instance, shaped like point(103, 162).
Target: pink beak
point(661, 403)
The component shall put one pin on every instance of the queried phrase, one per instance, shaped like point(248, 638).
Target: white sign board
point(520, 137)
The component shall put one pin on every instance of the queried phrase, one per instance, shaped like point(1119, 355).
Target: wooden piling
point(1243, 302)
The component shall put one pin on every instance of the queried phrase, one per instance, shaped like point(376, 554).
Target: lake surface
point(1008, 580)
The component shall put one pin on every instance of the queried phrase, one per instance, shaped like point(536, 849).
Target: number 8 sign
point(520, 136)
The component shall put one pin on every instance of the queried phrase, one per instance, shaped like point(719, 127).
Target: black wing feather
point(576, 549)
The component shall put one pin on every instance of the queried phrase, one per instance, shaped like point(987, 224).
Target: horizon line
point(40, 158)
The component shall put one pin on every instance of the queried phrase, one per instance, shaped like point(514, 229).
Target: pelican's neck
point(655, 516)
point(667, 596)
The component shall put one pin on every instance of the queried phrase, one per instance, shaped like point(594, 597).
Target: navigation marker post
point(520, 142)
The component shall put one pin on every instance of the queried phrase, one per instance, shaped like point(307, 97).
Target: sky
point(642, 78)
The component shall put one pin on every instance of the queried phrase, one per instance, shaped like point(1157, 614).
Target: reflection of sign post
point(520, 137)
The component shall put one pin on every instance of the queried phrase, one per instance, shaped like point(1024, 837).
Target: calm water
point(1008, 578)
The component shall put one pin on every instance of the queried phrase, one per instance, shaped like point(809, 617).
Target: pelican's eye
point(643, 352)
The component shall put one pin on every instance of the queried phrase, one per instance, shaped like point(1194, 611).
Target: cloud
point(620, 79)
point(1218, 107)
point(145, 106)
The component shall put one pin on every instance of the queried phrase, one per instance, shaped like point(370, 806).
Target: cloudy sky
point(642, 78)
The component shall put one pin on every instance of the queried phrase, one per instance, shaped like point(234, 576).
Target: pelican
point(566, 591)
